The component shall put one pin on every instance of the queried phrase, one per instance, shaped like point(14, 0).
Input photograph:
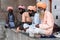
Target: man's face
point(30, 11)
point(20, 9)
point(40, 10)
point(10, 11)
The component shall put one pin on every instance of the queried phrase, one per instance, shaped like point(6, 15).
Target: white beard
point(42, 11)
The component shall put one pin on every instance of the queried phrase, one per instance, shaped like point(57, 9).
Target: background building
point(15, 3)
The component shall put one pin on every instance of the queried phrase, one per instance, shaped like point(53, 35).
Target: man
point(19, 15)
point(21, 9)
point(47, 22)
point(10, 20)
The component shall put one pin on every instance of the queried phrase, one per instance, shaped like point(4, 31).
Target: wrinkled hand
point(37, 25)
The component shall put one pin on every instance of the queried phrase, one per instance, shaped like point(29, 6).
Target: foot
point(18, 30)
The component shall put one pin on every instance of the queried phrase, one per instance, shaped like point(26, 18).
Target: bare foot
point(37, 35)
point(18, 30)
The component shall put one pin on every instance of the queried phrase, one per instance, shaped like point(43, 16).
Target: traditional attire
point(46, 26)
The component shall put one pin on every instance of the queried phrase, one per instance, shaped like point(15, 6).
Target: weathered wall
point(27, 2)
point(56, 11)
point(15, 3)
point(6, 3)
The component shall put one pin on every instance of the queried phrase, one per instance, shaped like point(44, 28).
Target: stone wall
point(27, 2)
point(15, 3)
point(6, 3)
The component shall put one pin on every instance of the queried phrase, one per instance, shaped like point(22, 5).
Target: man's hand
point(37, 25)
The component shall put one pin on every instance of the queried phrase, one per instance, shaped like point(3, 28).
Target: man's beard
point(31, 14)
point(21, 13)
point(42, 14)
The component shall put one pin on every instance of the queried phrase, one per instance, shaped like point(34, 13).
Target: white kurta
point(46, 26)
point(35, 21)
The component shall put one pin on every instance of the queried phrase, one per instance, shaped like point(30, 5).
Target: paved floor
point(16, 36)
point(12, 35)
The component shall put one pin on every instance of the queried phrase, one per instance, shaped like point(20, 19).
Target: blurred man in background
point(10, 19)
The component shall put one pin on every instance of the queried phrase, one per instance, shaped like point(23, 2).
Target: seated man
point(47, 22)
point(19, 16)
point(10, 20)
point(27, 17)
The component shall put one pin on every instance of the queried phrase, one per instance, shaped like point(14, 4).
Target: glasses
point(30, 10)
point(20, 9)
point(40, 8)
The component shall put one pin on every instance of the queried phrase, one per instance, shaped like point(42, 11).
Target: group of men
point(36, 20)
